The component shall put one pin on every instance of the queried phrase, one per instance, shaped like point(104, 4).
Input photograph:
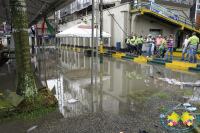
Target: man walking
point(184, 47)
point(170, 45)
point(193, 42)
point(158, 44)
point(149, 45)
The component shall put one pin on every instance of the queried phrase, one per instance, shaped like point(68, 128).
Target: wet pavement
point(105, 106)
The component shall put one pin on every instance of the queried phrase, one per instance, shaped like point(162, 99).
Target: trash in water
point(192, 108)
point(187, 104)
point(162, 116)
point(176, 82)
point(185, 97)
point(73, 101)
point(32, 128)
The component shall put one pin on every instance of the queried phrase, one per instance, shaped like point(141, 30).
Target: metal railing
point(184, 20)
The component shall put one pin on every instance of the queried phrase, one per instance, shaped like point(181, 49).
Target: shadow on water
point(123, 87)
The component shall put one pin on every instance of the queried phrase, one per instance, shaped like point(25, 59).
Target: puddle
point(122, 88)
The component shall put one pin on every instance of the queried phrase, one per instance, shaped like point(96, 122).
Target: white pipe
point(196, 10)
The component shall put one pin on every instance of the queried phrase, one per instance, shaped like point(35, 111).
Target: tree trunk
point(25, 79)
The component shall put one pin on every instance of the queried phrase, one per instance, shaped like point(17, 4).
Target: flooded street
point(127, 96)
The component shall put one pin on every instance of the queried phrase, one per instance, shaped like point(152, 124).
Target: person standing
point(170, 45)
point(158, 44)
point(131, 45)
point(153, 47)
point(164, 44)
point(184, 47)
point(135, 41)
point(33, 50)
point(128, 43)
point(149, 45)
point(194, 45)
point(140, 42)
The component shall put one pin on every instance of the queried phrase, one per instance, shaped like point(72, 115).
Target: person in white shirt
point(185, 49)
point(149, 45)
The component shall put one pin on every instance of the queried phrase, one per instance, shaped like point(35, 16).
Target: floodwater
point(116, 80)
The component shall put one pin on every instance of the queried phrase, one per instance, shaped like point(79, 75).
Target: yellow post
point(101, 53)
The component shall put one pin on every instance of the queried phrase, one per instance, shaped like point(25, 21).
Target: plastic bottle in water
point(32, 128)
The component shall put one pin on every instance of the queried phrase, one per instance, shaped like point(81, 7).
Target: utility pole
point(97, 38)
point(101, 31)
point(92, 42)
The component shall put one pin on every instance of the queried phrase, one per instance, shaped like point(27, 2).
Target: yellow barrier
point(116, 55)
point(179, 54)
point(180, 65)
point(171, 65)
point(74, 49)
point(184, 64)
point(78, 50)
point(147, 58)
point(140, 59)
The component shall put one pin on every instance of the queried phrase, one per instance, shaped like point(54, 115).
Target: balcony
point(146, 8)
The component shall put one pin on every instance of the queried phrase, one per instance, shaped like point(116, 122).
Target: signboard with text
point(1, 27)
point(7, 29)
point(46, 36)
point(163, 11)
point(186, 2)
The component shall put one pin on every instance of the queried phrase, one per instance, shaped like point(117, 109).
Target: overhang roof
point(36, 9)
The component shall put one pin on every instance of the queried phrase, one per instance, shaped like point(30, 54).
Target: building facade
point(125, 18)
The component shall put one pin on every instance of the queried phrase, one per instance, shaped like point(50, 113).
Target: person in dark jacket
point(33, 49)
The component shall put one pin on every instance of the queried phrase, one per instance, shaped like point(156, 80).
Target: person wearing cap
point(128, 43)
point(139, 47)
point(131, 45)
point(164, 44)
point(193, 43)
point(170, 45)
point(158, 44)
point(149, 41)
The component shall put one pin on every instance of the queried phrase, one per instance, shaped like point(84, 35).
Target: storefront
point(48, 39)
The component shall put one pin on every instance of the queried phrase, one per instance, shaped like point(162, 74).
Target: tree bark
point(25, 79)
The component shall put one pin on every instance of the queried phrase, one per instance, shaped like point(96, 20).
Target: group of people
point(190, 46)
point(156, 46)
point(134, 43)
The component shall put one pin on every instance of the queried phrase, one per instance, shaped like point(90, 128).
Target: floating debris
point(32, 128)
point(72, 101)
point(192, 108)
point(187, 105)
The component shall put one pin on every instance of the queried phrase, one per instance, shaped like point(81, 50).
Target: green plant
point(146, 120)
point(152, 130)
point(141, 96)
point(4, 103)
point(31, 108)
point(162, 95)
point(162, 109)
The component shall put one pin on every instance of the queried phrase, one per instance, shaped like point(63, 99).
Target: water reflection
point(69, 72)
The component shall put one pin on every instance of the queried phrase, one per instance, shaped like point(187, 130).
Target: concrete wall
point(141, 26)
